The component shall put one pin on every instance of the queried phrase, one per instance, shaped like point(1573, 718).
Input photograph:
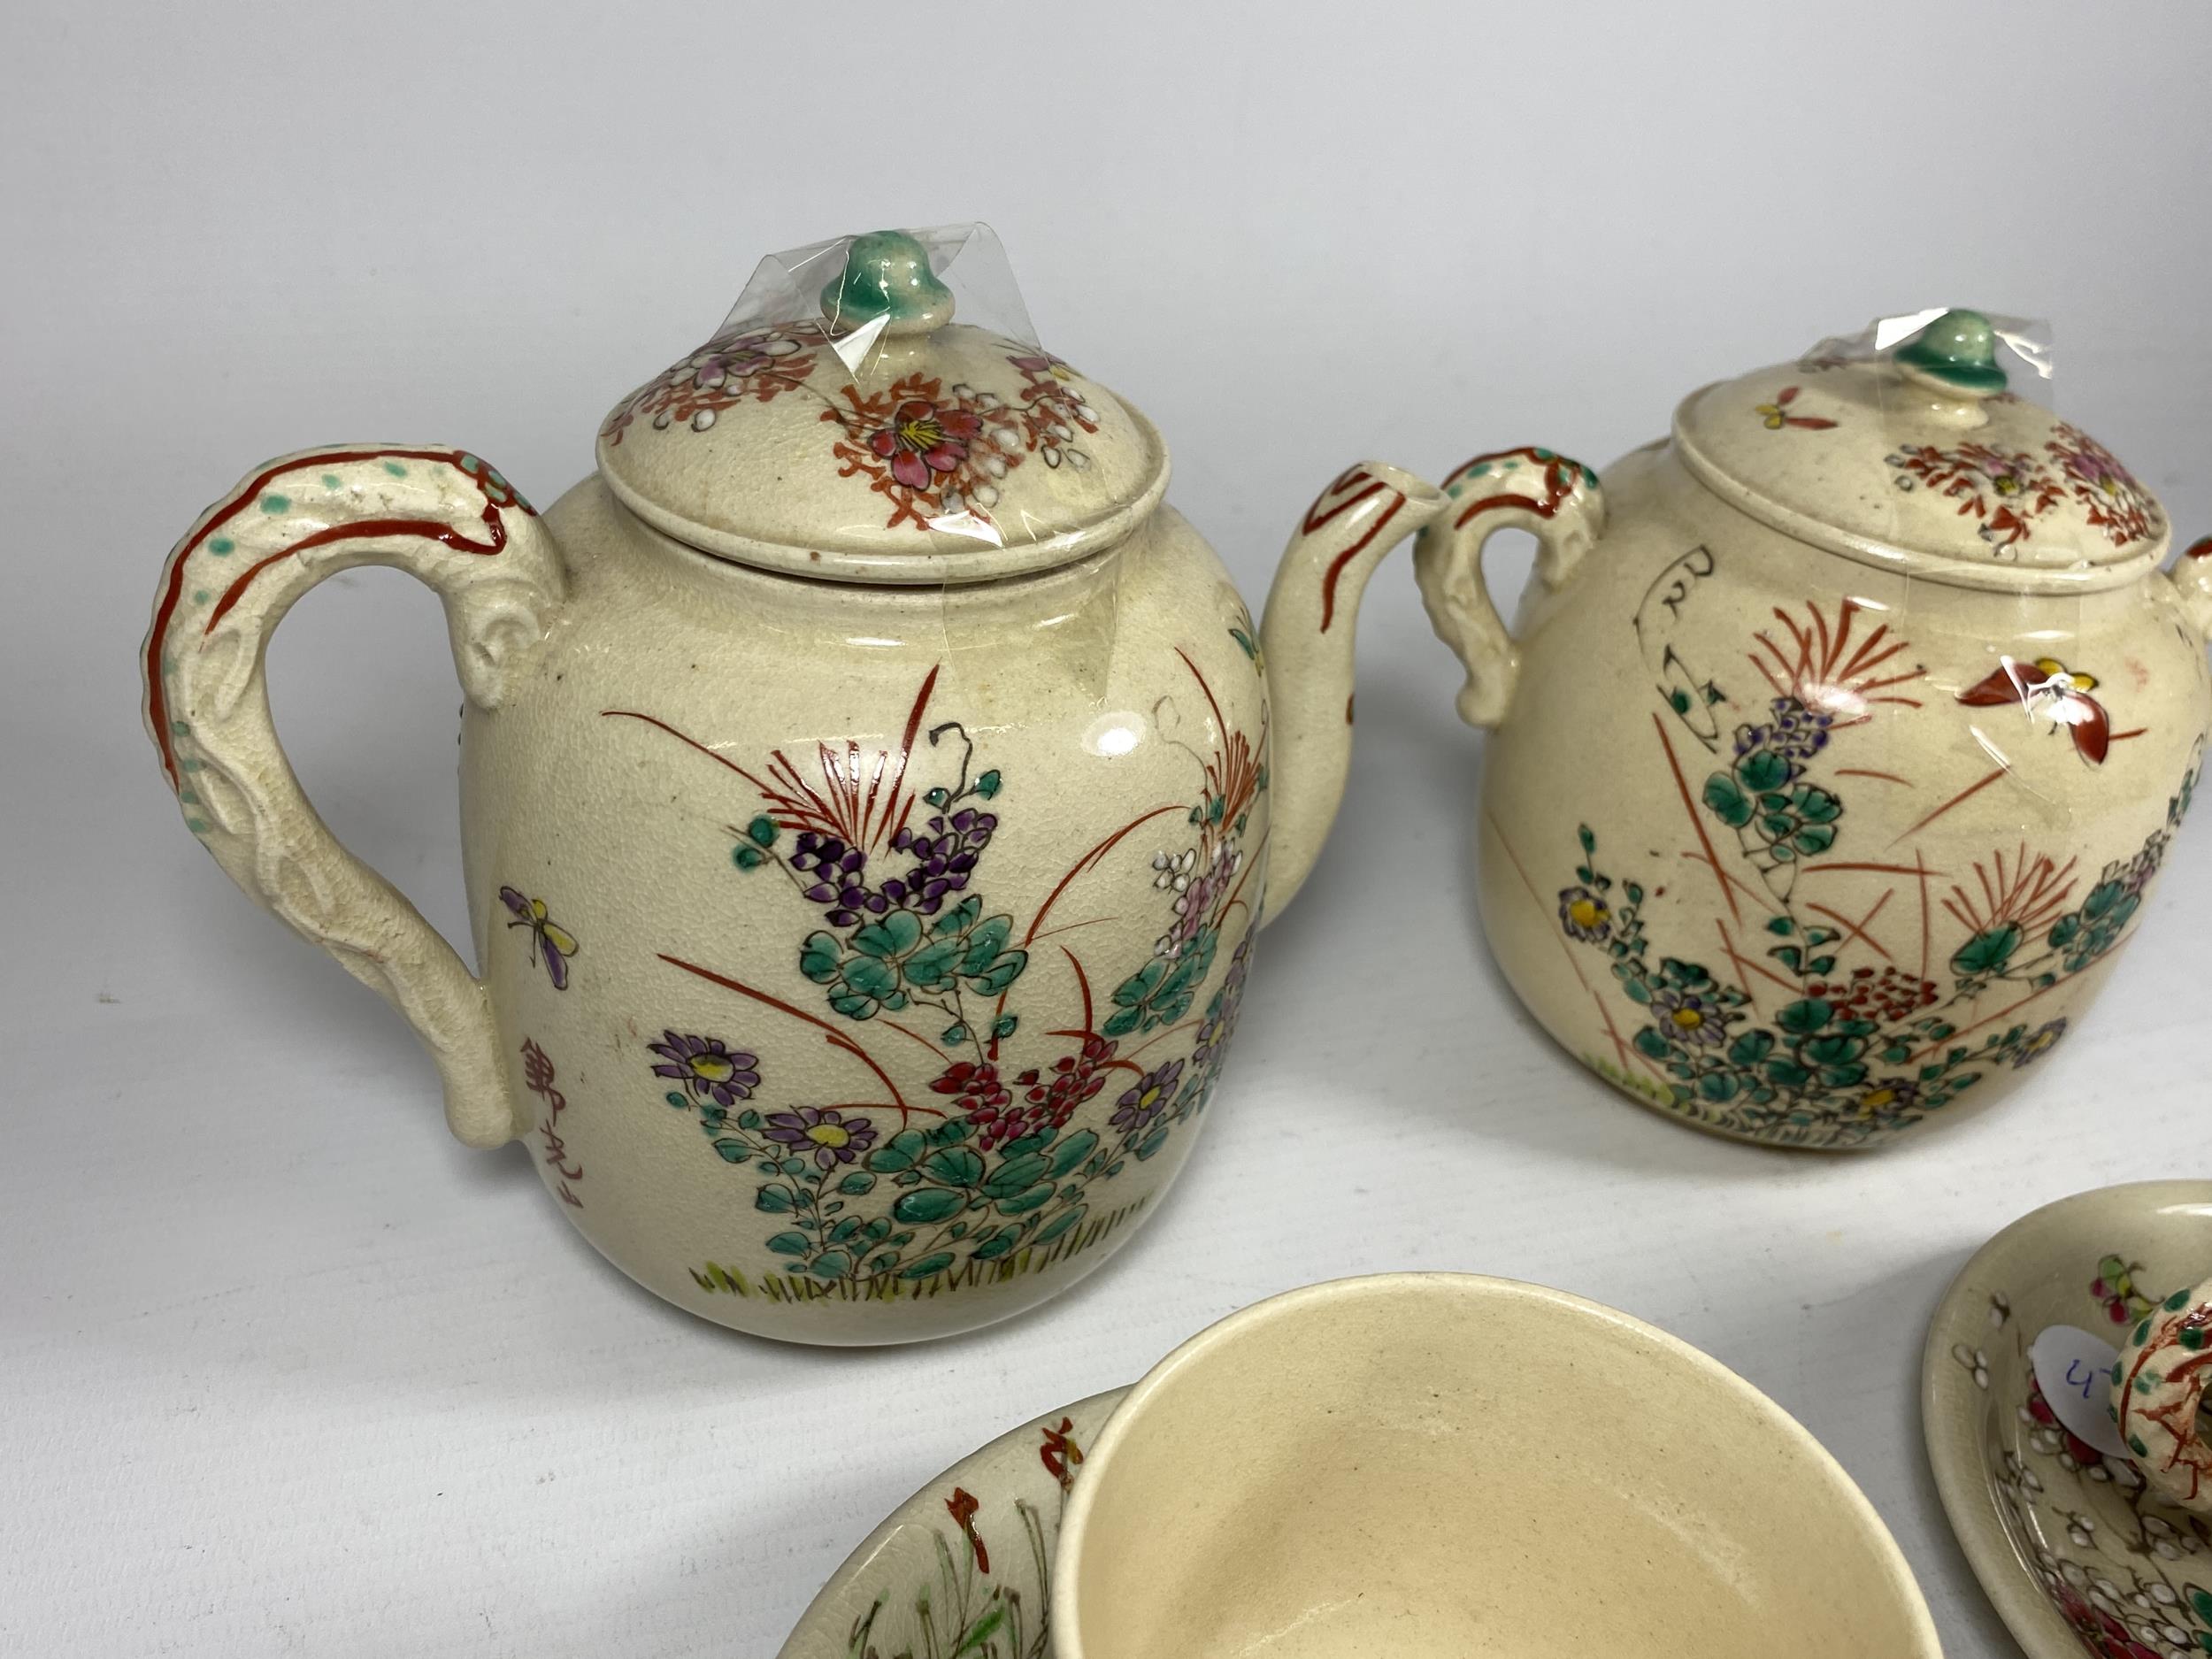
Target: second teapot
point(1838, 741)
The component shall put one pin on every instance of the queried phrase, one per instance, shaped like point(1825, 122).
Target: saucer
point(963, 1566)
point(2074, 1553)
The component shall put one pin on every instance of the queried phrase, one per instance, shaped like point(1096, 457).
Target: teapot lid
point(841, 424)
point(1904, 447)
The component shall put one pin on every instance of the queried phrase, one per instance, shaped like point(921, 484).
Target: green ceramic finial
point(1959, 353)
point(886, 272)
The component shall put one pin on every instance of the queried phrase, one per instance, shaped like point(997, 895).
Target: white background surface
point(285, 1370)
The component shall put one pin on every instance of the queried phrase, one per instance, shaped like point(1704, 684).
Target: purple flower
point(2044, 1039)
point(1585, 915)
point(1148, 1097)
point(832, 1137)
point(708, 1067)
point(1689, 1017)
point(944, 854)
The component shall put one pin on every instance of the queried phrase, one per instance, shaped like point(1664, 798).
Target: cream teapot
point(1839, 739)
point(869, 790)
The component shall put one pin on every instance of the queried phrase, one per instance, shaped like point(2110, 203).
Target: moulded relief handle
point(2192, 574)
point(1556, 499)
point(444, 517)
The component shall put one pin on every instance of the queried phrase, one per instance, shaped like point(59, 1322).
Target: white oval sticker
point(2074, 1370)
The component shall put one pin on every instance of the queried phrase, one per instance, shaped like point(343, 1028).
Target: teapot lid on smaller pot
point(1914, 454)
point(841, 424)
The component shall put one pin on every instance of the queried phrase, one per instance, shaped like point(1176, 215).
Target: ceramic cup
point(2158, 1386)
point(1425, 1464)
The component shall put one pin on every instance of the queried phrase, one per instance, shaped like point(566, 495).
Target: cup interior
point(1434, 1465)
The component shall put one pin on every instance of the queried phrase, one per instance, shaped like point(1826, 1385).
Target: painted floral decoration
point(707, 1067)
point(1777, 415)
point(1805, 1029)
point(550, 943)
point(986, 1171)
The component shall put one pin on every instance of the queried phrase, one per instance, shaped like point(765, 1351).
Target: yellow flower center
point(1687, 1019)
point(1586, 912)
point(713, 1068)
point(831, 1135)
point(1146, 1100)
point(921, 434)
point(1878, 1099)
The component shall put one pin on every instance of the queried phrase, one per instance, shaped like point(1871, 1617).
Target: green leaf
point(1729, 802)
point(763, 831)
point(987, 785)
point(899, 1153)
point(747, 857)
point(1831, 1050)
point(1987, 952)
point(1763, 770)
point(1649, 1042)
point(1022, 1202)
point(949, 1134)
point(986, 942)
point(856, 1182)
point(1000, 973)
point(1802, 1018)
point(959, 918)
point(1842, 1076)
point(1751, 1047)
point(928, 1266)
point(1004, 1027)
point(1072, 1151)
point(894, 936)
point(1787, 1073)
point(953, 1035)
point(775, 1199)
point(1015, 1174)
point(933, 964)
point(1717, 1085)
point(1153, 1142)
point(1814, 839)
point(1781, 925)
point(868, 976)
point(955, 1166)
point(926, 1206)
point(732, 1151)
point(790, 1244)
point(818, 957)
point(1059, 1225)
point(1789, 955)
point(1815, 805)
point(1122, 1023)
point(937, 798)
point(831, 1264)
point(998, 1244)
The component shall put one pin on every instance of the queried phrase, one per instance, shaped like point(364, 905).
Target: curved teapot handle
point(1556, 499)
point(2158, 1384)
point(2192, 574)
point(451, 520)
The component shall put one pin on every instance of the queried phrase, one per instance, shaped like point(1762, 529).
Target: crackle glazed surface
point(861, 920)
point(884, 981)
point(2079, 1553)
point(1813, 844)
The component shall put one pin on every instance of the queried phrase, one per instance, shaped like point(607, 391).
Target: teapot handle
point(1556, 499)
point(2192, 574)
point(451, 520)
point(2157, 1385)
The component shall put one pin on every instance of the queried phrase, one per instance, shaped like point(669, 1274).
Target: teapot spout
point(1307, 638)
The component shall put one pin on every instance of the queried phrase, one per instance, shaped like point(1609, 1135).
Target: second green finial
point(886, 274)
point(1958, 351)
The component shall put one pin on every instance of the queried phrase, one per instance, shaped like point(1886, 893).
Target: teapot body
point(865, 957)
point(1808, 851)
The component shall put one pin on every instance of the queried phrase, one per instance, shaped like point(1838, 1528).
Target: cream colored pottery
point(965, 1566)
point(869, 790)
point(1432, 1466)
point(1837, 742)
point(2076, 1549)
